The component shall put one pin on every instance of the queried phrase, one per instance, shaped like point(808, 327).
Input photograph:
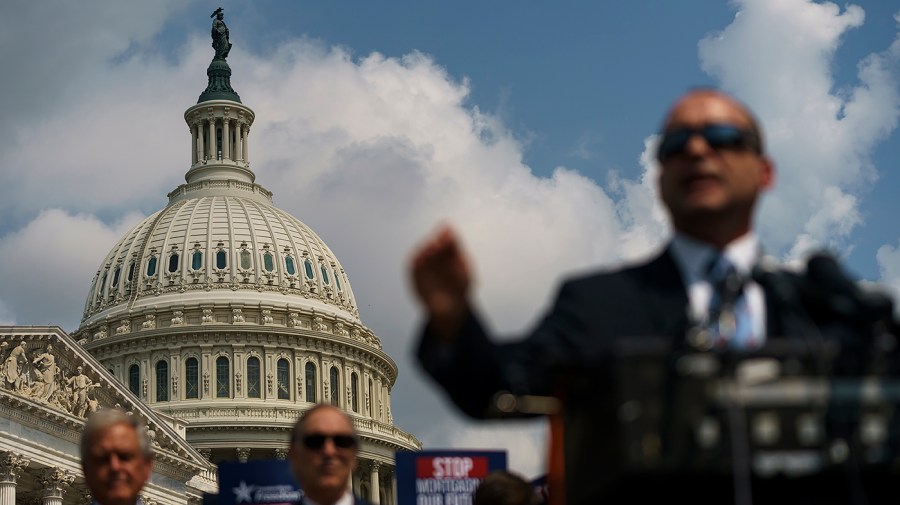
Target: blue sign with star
point(258, 482)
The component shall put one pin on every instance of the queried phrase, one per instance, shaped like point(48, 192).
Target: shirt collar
point(346, 499)
point(692, 256)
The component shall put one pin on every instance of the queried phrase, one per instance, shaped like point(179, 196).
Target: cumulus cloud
point(373, 152)
point(777, 55)
point(888, 257)
point(54, 259)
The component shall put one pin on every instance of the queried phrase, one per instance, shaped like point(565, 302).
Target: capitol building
point(218, 320)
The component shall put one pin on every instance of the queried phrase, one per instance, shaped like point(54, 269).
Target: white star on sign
point(242, 493)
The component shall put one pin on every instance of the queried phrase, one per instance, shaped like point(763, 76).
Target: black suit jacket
point(644, 300)
point(356, 501)
point(567, 353)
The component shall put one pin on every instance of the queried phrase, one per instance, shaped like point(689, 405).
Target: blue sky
point(527, 125)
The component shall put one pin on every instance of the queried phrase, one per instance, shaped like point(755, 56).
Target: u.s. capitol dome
point(233, 317)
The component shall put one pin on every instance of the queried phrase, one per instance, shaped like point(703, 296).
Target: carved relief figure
point(149, 323)
point(80, 384)
point(3, 346)
point(237, 315)
point(16, 374)
point(45, 385)
point(207, 316)
point(294, 320)
point(177, 318)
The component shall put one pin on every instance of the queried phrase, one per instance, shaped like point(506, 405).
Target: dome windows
point(130, 276)
point(221, 258)
point(268, 260)
point(191, 378)
point(134, 379)
point(197, 260)
point(162, 381)
point(103, 284)
point(151, 266)
point(307, 265)
point(289, 266)
point(284, 379)
point(246, 262)
point(173, 261)
point(335, 386)
point(253, 378)
point(324, 275)
point(354, 392)
point(311, 382)
point(223, 377)
point(116, 273)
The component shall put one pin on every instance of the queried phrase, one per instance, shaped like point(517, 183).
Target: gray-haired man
point(116, 457)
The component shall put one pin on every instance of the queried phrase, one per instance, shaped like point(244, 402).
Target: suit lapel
point(664, 295)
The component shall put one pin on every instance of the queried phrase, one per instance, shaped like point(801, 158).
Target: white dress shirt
point(692, 257)
point(347, 499)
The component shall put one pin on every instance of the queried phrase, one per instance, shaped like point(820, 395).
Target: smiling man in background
point(116, 457)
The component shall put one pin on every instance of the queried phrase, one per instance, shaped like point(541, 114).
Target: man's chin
point(119, 497)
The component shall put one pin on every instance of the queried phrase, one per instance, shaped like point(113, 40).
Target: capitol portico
point(218, 320)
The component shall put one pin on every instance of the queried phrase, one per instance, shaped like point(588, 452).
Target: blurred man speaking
point(707, 290)
point(116, 457)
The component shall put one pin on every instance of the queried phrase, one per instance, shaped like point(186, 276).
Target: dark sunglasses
point(317, 441)
point(717, 136)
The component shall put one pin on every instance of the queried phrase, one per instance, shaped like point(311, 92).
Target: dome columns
point(219, 141)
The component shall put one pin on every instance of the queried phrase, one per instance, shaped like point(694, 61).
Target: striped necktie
point(730, 323)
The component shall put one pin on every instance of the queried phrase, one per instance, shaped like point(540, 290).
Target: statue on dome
point(219, 32)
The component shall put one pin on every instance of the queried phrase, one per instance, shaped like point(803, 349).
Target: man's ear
point(767, 173)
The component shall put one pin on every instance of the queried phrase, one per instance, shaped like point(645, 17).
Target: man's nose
point(697, 145)
point(329, 447)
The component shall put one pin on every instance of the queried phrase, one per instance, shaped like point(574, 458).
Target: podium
point(794, 422)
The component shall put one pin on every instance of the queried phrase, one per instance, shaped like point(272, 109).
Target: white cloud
point(778, 56)
point(888, 257)
point(525, 442)
point(373, 152)
point(55, 257)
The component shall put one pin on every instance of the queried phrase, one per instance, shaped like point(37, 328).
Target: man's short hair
point(105, 418)
point(503, 487)
point(297, 432)
point(752, 122)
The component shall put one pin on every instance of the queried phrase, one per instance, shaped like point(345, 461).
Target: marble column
point(55, 482)
point(195, 143)
point(239, 148)
point(11, 466)
point(226, 139)
point(212, 148)
point(246, 150)
point(374, 484)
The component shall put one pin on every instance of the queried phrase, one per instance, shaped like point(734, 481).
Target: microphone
point(843, 296)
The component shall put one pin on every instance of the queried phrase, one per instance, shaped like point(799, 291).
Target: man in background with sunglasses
point(323, 455)
point(703, 291)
